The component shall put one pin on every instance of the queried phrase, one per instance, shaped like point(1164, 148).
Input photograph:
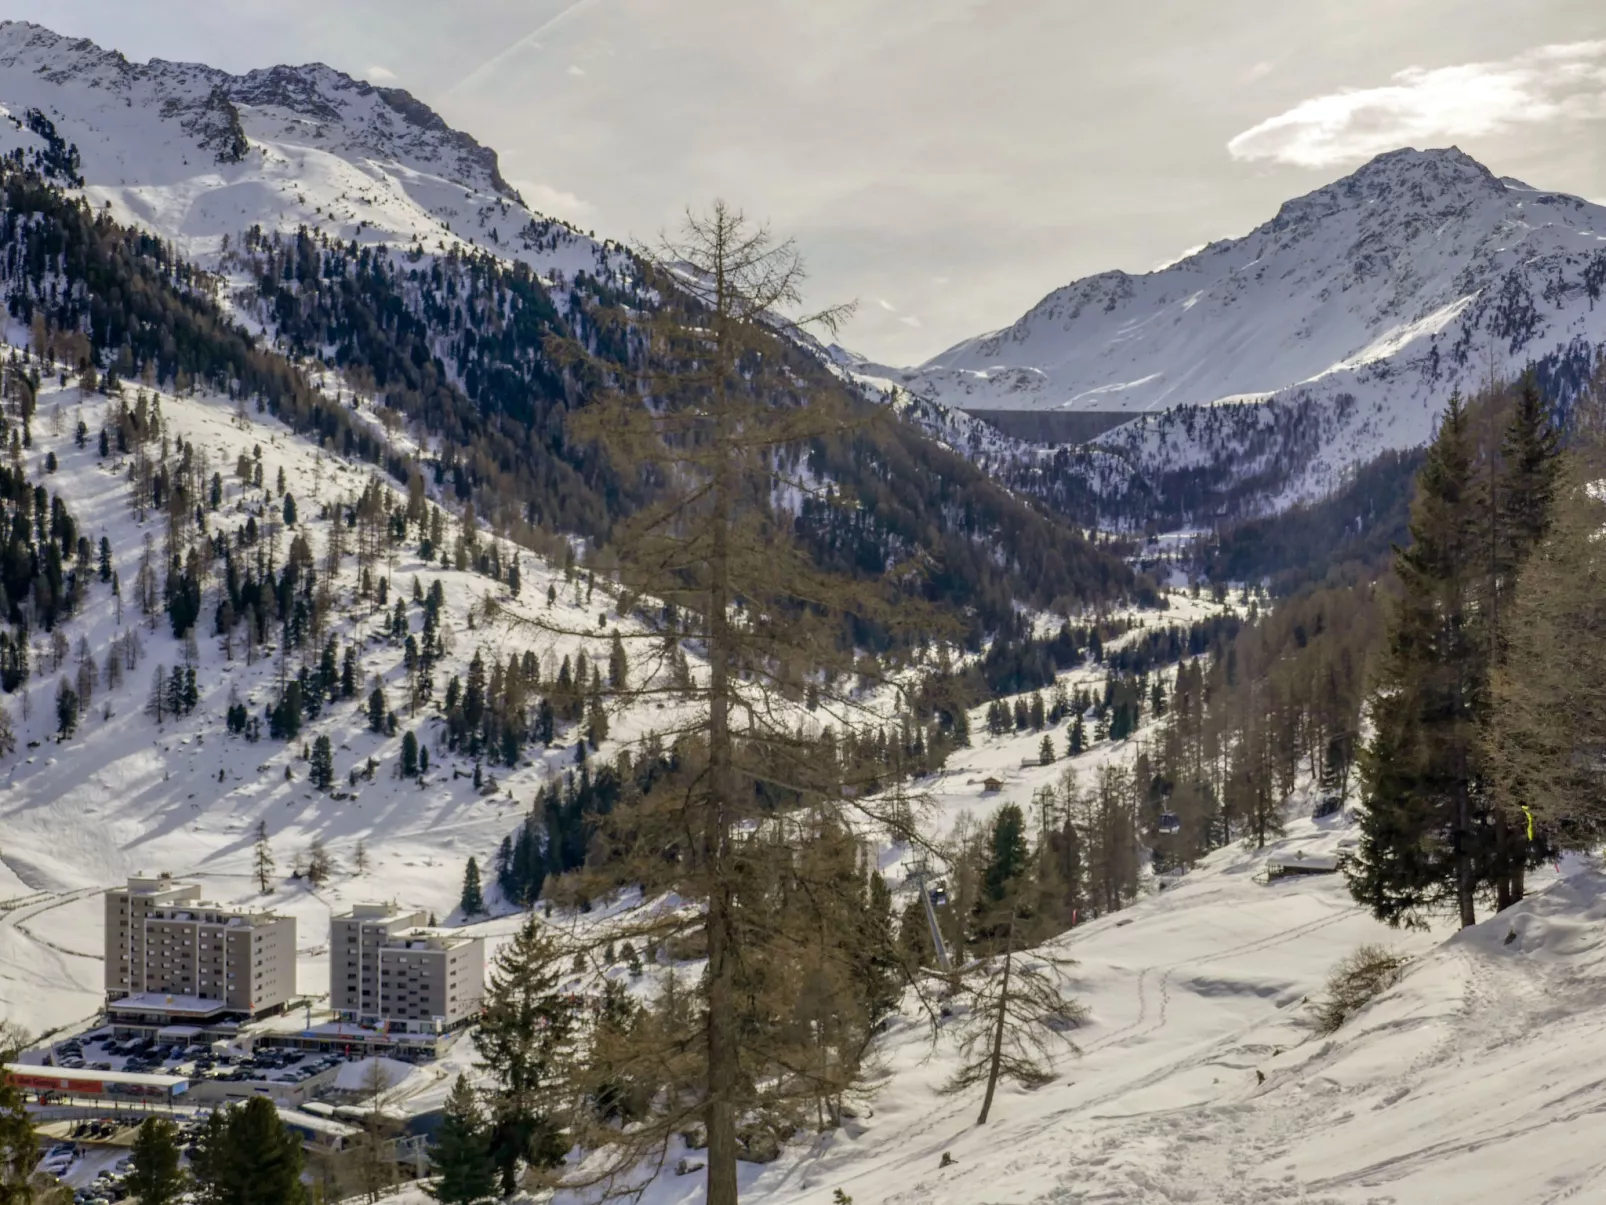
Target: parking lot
point(99, 1051)
point(93, 1159)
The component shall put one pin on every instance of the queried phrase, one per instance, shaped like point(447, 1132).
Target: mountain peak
point(1445, 177)
point(384, 121)
point(1368, 300)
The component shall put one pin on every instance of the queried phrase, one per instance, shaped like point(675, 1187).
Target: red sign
point(52, 1083)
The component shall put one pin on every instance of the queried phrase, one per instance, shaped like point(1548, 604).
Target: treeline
point(458, 346)
point(564, 829)
point(47, 566)
point(244, 1152)
point(1074, 856)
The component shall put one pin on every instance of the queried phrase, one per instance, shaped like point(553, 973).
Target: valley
point(374, 548)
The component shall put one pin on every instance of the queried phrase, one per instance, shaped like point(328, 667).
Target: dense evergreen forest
point(464, 346)
point(461, 348)
point(1350, 531)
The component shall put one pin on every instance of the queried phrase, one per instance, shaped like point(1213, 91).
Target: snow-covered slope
point(198, 155)
point(1190, 992)
point(125, 793)
point(1419, 273)
point(1477, 1080)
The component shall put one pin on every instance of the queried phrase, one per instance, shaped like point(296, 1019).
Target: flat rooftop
point(379, 911)
point(68, 1077)
point(160, 1002)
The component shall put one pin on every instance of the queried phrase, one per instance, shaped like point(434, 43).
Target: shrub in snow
point(1359, 978)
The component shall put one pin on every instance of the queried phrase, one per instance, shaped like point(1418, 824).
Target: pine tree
point(507, 881)
point(750, 598)
point(376, 710)
point(66, 711)
point(882, 970)
point(1008, 855)
point(1077, 741)
point(319, 864)
point(1521, 513)
point(473, 901)
point(522, 1038)
point(156, 1178)
point(262, 858)
point(19, 1147)
point(618, 665)
point(247, 1156)
point(409, 755)
point(322, 770)
point(1420, 827)
point(462, 1152)
point(1045, 751)
point(1546, 692)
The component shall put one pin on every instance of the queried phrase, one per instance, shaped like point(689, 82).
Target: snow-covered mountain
point(1419, 273)
point(198, 155)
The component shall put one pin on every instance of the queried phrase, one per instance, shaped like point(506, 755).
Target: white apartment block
point(168, 952)
point(386, 967)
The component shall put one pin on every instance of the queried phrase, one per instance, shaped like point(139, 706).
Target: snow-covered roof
point(157, 1002)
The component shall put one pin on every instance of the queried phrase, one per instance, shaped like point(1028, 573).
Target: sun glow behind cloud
point(1426, 105)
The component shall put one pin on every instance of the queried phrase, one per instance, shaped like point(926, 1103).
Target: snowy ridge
point(198, 156)
point(1420, 273)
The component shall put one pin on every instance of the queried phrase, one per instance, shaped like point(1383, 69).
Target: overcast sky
point(945, 162)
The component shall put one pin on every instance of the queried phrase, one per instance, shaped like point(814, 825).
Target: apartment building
point(386, 966)
point(168, 953)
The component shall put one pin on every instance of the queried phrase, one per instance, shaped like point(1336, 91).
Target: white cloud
point(910, 320)
point(554, 202)
point(378, 74)
point(1422, 106)
point(576, 69)
point(886, 305)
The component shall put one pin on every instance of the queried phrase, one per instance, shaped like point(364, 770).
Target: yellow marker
point(1530, 816)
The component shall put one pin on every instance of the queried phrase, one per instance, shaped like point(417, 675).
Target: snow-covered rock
point(198, 155)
